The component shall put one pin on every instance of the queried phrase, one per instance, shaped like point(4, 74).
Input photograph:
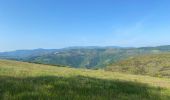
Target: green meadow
point(27, 81)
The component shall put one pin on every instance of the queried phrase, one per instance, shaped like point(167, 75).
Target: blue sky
point(30, 24)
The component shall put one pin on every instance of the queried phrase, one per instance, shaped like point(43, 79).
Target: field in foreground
point(28, 81)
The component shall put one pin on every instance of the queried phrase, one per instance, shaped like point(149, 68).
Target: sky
point(52, 24)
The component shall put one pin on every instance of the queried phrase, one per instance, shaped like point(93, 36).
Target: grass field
point(26, 81)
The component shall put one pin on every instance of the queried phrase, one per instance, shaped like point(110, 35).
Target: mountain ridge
point(85, 57)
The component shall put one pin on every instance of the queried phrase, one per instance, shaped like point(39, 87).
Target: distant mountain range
point(82, 57)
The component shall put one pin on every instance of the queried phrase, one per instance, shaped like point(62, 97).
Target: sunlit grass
point(27, 81)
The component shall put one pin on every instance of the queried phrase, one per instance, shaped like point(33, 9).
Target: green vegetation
point(81, 57)
point(154, 64)
point(28, 81)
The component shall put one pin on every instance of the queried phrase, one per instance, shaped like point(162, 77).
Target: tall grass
point(24, 81)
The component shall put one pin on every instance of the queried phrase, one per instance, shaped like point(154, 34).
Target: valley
point(93, 73)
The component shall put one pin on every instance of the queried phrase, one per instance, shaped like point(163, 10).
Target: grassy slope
point(27, 81)
point(154, 65)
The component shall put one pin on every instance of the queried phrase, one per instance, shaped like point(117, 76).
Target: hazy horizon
point(55, 24)
point(82, 47)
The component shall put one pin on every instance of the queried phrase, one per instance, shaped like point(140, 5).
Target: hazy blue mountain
point(87, 57)
point(22, 54)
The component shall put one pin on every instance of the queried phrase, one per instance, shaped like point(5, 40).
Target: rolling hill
point(153, 64)
point(27, 81)
point(81, 57)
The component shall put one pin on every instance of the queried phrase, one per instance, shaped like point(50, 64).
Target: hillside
point(153, 64)
point(81, 57)
point(87, 57)
point(26, 81)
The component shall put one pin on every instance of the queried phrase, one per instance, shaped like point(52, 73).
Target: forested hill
point(86, 57)
point(153, 64)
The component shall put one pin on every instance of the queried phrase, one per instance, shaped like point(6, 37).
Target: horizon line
point(67, 47)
